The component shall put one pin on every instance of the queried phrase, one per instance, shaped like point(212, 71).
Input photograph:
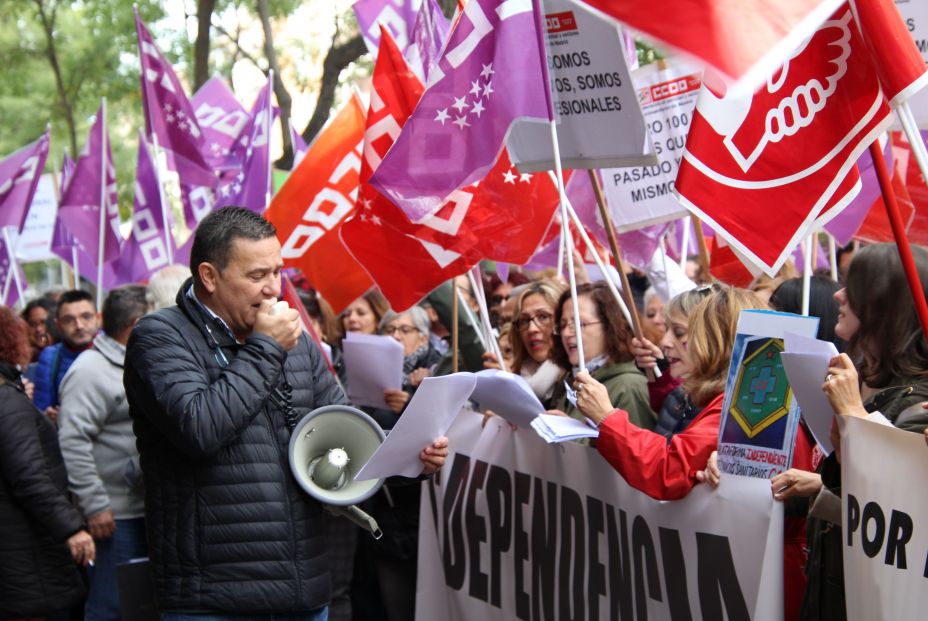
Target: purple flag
point(19, 177)
point(846, 224)
point(79, 211)
point(67, 172)
point(250, 186)
point(168, 114)
point(145, 252)
point(9, 294)
point(299, 146)
point(490, 74)
point(397, 15)
point(428, 36)
point(222, 119)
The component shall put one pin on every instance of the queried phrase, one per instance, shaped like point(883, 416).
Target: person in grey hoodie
point(99, 450)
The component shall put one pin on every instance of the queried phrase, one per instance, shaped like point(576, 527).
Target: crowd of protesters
point(83, 478)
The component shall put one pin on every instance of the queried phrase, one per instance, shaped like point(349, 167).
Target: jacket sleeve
point(631, 394)
point(327, 389)
point(43, 379)
point(198, 416)
point(28, 473)
point(660, 388)
point(662, 470)
point(85, 405)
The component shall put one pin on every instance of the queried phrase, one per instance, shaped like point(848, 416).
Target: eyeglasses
point(404, 330)
point(542, 320)
point(569, 326)
point(70, 320)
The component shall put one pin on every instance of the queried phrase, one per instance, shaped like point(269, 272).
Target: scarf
point(422, 357)
point(541, 378)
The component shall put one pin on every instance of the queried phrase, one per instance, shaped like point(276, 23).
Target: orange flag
point(310, 208)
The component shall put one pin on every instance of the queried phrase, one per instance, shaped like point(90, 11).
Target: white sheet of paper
point(427, 417)
point(798, 344)
point(554, 428)
point(507, 395)
point(373, 364)
point(806, 373)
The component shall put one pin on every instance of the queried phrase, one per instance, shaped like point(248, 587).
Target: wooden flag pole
point(902, 241)
point(454, 325)
point(703, 248)
point(619, 264)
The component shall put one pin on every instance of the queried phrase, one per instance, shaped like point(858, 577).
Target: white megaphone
point(327, 448)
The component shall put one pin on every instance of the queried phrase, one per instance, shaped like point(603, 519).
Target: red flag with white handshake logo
point(761, 168)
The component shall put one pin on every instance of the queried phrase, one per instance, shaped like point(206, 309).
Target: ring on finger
point(829, 377)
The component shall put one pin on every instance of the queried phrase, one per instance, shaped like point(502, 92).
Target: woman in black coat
point(43, 533)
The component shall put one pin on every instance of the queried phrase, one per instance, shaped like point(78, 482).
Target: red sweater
point(662, 470)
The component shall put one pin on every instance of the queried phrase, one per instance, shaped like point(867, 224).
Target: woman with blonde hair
point(666, 469)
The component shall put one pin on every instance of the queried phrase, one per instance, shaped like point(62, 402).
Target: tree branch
point(338, 57)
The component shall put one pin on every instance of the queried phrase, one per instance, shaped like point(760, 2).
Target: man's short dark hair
point(72, 296)
point(212, 242)
point(122, 307)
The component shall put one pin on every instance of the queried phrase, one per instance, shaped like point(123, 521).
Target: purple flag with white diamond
point(397, 15)
point(168, 114)
point(490, 74)
point(428, 37)
point(67, 172)
point(79, 210)
point(19, 177)
point(250, 186)
point(9, 294)
point(145, 252)
point(222, 119)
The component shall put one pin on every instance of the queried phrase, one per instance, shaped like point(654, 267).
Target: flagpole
point(454, 326)
point(902, 241)
point(806, 273)
point(477, 285)
point(101, 241)
point(833, 257)
point(13, 266)
point(75, 267)
point(703, 248)
point(560, 243)
point(269, 191)
point(909, 126)
point(538, 14)
point(632, 310)
point(684, 243)
point(168, 235)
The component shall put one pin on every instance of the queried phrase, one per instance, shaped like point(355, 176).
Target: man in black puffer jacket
point(230, 531)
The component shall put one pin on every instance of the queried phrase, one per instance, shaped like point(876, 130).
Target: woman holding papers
point(884, 377)
point(411, 330)
point(664, 469)
point(606, 348)
point(532, 338)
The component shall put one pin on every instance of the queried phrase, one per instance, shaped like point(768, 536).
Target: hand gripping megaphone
point(327, 448)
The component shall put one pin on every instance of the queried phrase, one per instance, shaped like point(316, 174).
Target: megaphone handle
point(362, 519)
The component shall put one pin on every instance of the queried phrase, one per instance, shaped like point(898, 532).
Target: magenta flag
point(9, 294)
point(19, 177)
point(222, 119)
point(145, 252)
point(67, 172)
point(79, 209)
point(299, 146)
point(846, 224)
point(428, 37)
point(399, 16)
point(490, 75)
point(249, 187)
point(169, 115)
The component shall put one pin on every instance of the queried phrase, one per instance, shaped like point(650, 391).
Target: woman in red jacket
point(661, 468)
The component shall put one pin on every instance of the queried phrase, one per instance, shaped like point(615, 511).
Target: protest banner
point(513, 528)
point(915, 15)
point(34, 241)
point(599, 120)
point(760, 414)
point(885, 525)
point(643, 196)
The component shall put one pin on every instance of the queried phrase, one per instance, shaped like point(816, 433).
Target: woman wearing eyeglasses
point(532, 338)
point(606, 338)
point(411, 330)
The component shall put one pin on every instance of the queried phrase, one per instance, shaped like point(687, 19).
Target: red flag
point(876, 228)
point(760, 169)
point(314, 202)
point(737, 37)
point(898, 62)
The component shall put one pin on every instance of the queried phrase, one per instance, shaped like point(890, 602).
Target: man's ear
point(208, 276)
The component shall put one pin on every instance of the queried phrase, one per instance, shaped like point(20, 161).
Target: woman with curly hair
point(44, 537)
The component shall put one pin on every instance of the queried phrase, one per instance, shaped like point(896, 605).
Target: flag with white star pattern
point(491, 74)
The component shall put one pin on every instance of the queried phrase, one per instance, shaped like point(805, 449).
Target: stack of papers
point(806, 364)
point(555, 428)
point(507, 395)
point(372, 365)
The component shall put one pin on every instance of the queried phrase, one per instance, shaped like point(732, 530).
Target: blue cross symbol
point(763, 385)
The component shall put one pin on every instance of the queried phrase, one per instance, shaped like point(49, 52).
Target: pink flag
point(399, 16)
point(9, 294)
point(490, 75)
point(79, 210)
point(67, 171)
point(145, 252)
point(222, 119)
point(428, 38)
point(299, 146)
point(19, 176)
point(168, 114)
